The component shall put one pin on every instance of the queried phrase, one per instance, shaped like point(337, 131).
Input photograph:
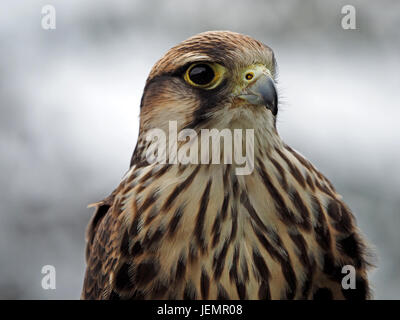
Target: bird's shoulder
point(103, 239)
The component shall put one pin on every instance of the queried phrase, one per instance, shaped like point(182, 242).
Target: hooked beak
point(262, 92)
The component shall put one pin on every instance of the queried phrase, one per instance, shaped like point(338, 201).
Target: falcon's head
point(216, 79)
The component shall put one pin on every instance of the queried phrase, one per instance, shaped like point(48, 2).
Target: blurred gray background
point(70, 97)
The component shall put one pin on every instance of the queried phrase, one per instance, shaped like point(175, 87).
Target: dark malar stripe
point(199, 228)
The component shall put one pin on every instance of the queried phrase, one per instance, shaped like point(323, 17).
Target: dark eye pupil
point(201, 74)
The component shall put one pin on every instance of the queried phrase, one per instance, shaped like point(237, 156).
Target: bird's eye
point(203, 75)
point(249, 76)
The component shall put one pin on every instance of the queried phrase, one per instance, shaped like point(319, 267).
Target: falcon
point(174, 230)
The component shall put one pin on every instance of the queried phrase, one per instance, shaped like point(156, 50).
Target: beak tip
point(263, 92)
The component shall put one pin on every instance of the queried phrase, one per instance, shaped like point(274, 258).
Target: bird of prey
point(174, 230)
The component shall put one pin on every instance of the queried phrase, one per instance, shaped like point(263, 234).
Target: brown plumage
point(200, 231)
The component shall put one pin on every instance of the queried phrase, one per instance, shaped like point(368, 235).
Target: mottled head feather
point(167, 96)
point(228, 48)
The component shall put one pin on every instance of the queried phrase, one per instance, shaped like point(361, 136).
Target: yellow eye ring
point(204, 75)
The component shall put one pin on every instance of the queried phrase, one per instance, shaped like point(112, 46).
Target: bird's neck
point(236, 144)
